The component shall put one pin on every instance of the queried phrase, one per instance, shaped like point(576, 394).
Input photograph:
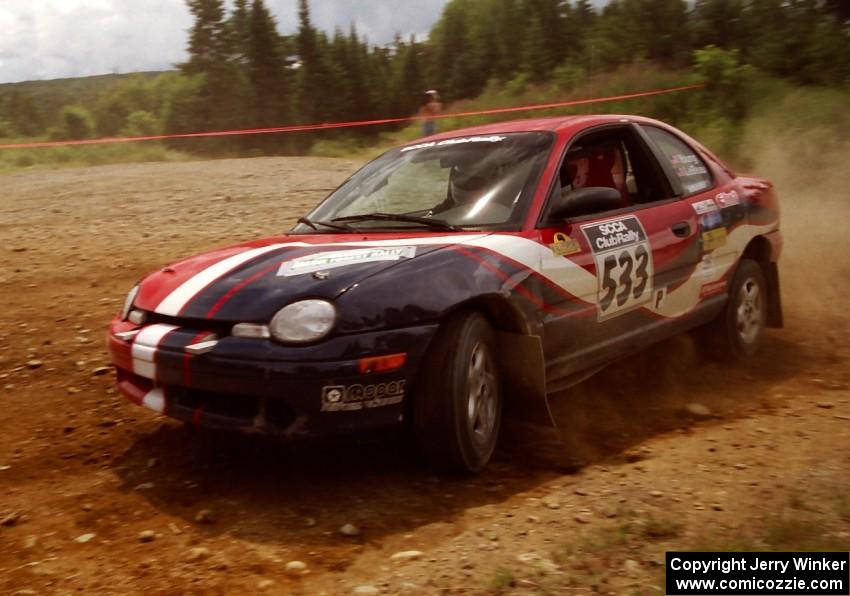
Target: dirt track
point(634, 475)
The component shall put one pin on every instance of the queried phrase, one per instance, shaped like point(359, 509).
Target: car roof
point(555, 124)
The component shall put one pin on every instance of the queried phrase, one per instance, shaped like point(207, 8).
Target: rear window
point(689, 168)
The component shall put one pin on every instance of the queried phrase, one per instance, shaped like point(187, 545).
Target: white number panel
point(624, 266)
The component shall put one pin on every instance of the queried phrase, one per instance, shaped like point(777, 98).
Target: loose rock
point(199, 553)
point(11, 519)
point(698, 410)
point(407, 555)
point(349, 530)
point(205, 516)
point(366, 590)
point(83, 538)
point(34, 364)
point(551, 503)
point(147, 536)
point(296, 567)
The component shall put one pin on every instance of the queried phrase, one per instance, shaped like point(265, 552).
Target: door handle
point(681, 229)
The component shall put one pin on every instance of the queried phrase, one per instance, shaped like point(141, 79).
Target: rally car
point(457, 276)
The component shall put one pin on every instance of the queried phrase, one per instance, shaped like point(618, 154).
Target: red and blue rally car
point(450, 277)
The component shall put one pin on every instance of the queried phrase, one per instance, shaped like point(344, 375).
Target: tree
point(316, 83)
point(221, 95)
point(141, 124)
point(22, 114)
point(267, 74)
point(75, 123)
point(719, 23)
point(239, 26)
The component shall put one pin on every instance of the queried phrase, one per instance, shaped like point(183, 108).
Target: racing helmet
point(467, 183)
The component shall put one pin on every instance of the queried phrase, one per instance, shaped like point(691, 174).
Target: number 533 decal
point(623, 261)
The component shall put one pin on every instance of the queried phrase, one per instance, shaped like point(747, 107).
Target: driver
point(468, 183)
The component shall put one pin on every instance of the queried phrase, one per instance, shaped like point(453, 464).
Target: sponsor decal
point(624, 267)
point(690, 171)
point(348, 398)
point(727, 199)
point(687, 165)
point(693, 187)
point(707, 267)
point(713, 231)
point(460, 141)
point(716, 287)
point(714, 239)
point(660, 295)
point(324, 261)
point(706, 206)
point(563, 245)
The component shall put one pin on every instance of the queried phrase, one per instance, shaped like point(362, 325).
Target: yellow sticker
point(713, 239)
point(564, 245)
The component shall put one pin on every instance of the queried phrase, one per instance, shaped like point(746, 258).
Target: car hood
point(251, 282)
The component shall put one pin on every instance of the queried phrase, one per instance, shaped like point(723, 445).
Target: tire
point(457, 402)
point(737, 333)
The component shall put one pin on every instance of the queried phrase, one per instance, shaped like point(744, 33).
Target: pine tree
point(208, 38)
point(220, 92)
point(240, 31)
point(267, 74)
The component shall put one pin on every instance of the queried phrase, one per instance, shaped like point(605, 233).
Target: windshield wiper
point(426, 221)
point(315, 225)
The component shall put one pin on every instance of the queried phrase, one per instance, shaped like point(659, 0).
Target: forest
point(242, 73)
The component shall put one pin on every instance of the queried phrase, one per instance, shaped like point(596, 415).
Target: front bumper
point(260, 386)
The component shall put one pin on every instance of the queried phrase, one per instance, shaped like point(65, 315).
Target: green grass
point(89, 155)
point(502, 580)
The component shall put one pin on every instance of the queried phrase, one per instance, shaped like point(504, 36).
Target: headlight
point(128, 302)
point(303, 322)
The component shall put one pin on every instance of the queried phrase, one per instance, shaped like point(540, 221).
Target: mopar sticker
point(563, 245)
point(345, 398)
point(624, 267)
point(343, 258)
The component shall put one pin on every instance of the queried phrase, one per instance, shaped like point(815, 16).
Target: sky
point(48, 39)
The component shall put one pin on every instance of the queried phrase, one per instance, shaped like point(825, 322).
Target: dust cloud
point(614, 412)
point(811, 174)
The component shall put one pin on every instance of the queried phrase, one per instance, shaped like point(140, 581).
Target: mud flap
point(524, 378)
point(774, 304)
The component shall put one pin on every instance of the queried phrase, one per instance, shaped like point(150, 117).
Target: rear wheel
point(457, 407)
point(737, 333)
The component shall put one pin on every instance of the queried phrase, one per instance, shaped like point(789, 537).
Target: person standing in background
point(431, 107)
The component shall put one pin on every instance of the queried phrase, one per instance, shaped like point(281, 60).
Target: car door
point(615, 269)
point(718, 207)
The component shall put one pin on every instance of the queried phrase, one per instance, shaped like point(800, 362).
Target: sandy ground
point(99, 496)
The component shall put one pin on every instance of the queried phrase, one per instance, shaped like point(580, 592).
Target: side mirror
point(586, 201)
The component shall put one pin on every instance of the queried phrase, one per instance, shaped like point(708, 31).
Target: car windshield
point(462, 182)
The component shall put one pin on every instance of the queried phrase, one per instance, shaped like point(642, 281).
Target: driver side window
point(616, 159)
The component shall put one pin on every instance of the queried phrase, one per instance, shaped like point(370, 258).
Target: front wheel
point(738, 331)
point(457, 408)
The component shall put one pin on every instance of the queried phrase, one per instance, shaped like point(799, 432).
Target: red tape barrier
point(335, 125)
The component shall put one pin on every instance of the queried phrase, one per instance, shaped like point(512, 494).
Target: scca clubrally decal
point(624, 267)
